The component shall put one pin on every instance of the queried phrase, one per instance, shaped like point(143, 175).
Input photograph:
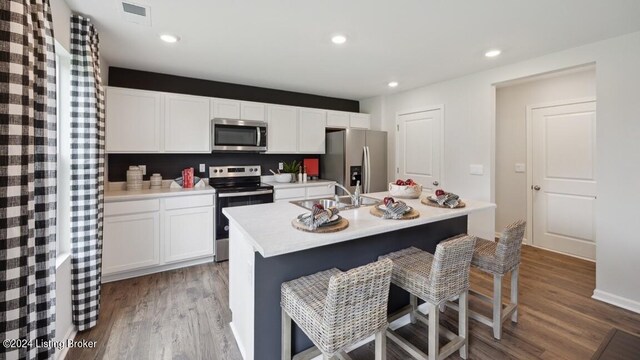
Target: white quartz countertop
point(277, 185)
point(268, 226)
point(126, 195)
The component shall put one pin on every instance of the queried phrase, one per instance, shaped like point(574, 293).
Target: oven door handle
point(245, 193)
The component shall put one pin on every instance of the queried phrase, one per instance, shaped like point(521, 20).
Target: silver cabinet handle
point(436, 183)
point(536, 187)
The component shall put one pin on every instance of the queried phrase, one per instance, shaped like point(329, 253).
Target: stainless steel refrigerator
point(353, 155)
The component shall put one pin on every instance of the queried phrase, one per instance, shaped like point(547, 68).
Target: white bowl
point(283, 178)
point(405, 191)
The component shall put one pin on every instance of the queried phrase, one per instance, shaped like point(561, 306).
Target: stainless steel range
point(234, 186)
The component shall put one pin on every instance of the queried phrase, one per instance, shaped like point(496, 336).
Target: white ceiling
point(285, 44)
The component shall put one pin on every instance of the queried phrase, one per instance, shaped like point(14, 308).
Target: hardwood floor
point(183, 314)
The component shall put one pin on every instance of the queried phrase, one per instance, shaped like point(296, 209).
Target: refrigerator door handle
point(365, 171)
point(367, 175)
point(369, 167)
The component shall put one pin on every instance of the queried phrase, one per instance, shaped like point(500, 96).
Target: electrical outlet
point(476, 169)
point(520, 168)
point(202, 168)
point(143, 168)
point(280, 166)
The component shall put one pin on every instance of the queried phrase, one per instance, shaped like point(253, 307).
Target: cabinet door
point(360, 121)
point(226, 109)
point(186, 123)
point(133, 120)
point(188, 233)
point(337, 119)
point(130, 242)
point(252, 111)
point(312, 131)
point(282, 134)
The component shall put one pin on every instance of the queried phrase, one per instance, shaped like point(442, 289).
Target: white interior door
point(419, 144)
point(563, 189)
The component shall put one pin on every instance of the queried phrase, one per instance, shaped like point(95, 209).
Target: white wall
point(470, 139)
point(511, 133)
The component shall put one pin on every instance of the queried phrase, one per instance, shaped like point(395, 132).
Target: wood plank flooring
point(183, 314)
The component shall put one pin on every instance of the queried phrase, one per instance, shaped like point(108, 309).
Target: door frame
point(529, 118)
point(397, 132)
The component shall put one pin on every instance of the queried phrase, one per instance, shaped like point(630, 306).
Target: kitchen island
point(265, 251)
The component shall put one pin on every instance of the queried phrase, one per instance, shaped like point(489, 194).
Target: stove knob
point(256, 169)
point(221, 170)
point(251, 170)
point(215, 171)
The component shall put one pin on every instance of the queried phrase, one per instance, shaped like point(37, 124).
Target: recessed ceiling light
point(492, 53)
point(169, 38)
point(393, 84)
point(339, 39)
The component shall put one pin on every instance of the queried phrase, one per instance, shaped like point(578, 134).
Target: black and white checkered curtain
point(27, 178)
point(87, 172)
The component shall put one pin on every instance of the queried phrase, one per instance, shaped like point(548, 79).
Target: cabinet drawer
point(131, 207)
point(182, 202)
point(320, 191)
point(289, 193)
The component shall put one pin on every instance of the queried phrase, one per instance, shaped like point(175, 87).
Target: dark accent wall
point(170, 165)
point(145, 80)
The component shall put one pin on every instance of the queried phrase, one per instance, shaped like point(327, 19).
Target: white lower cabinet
point(130, 242)
point(312, 191)
point(188, 233)
point(146, 236)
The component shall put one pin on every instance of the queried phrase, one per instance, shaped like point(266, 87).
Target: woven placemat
point(413, 214)
point(427, 202)
point(338, 226)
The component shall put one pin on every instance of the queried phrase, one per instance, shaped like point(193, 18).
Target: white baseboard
point(237, 338)
point(70, 335)
point(616, 300)
point(154, 269)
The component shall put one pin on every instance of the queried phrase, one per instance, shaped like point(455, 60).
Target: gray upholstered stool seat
point(434, 279)
point(499, 258)
point(337, 309)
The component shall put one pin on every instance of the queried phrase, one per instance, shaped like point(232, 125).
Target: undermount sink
point(326, 203)
point(344, 202)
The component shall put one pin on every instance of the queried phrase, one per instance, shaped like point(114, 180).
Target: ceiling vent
point(135, 13)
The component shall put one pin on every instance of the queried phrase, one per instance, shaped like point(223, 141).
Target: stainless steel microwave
point(233, 135)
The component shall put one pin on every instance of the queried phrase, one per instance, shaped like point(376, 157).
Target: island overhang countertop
point(268, 226)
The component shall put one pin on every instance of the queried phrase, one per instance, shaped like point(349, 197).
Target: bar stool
point(499, 258)
point(434, 279)
point(337, 309)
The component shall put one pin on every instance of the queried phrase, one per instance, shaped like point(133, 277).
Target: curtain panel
point(27, 178)
point(87, 173)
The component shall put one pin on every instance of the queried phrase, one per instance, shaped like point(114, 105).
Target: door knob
point(536, 187)
point(435, 183)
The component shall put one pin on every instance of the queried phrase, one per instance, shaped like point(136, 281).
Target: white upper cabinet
point(337, 119)
point(282, 133)
point(186, 123)
point(226, 108)
point(252, 111)
point(360, 121)
point(133, 120)
point(312, 124)
point(139, 121)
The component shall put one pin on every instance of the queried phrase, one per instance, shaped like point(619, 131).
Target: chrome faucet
point(355, 197)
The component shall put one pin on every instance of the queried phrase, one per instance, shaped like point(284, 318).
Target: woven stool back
point(449, 275)
point(356, 304)
point(510, 244)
